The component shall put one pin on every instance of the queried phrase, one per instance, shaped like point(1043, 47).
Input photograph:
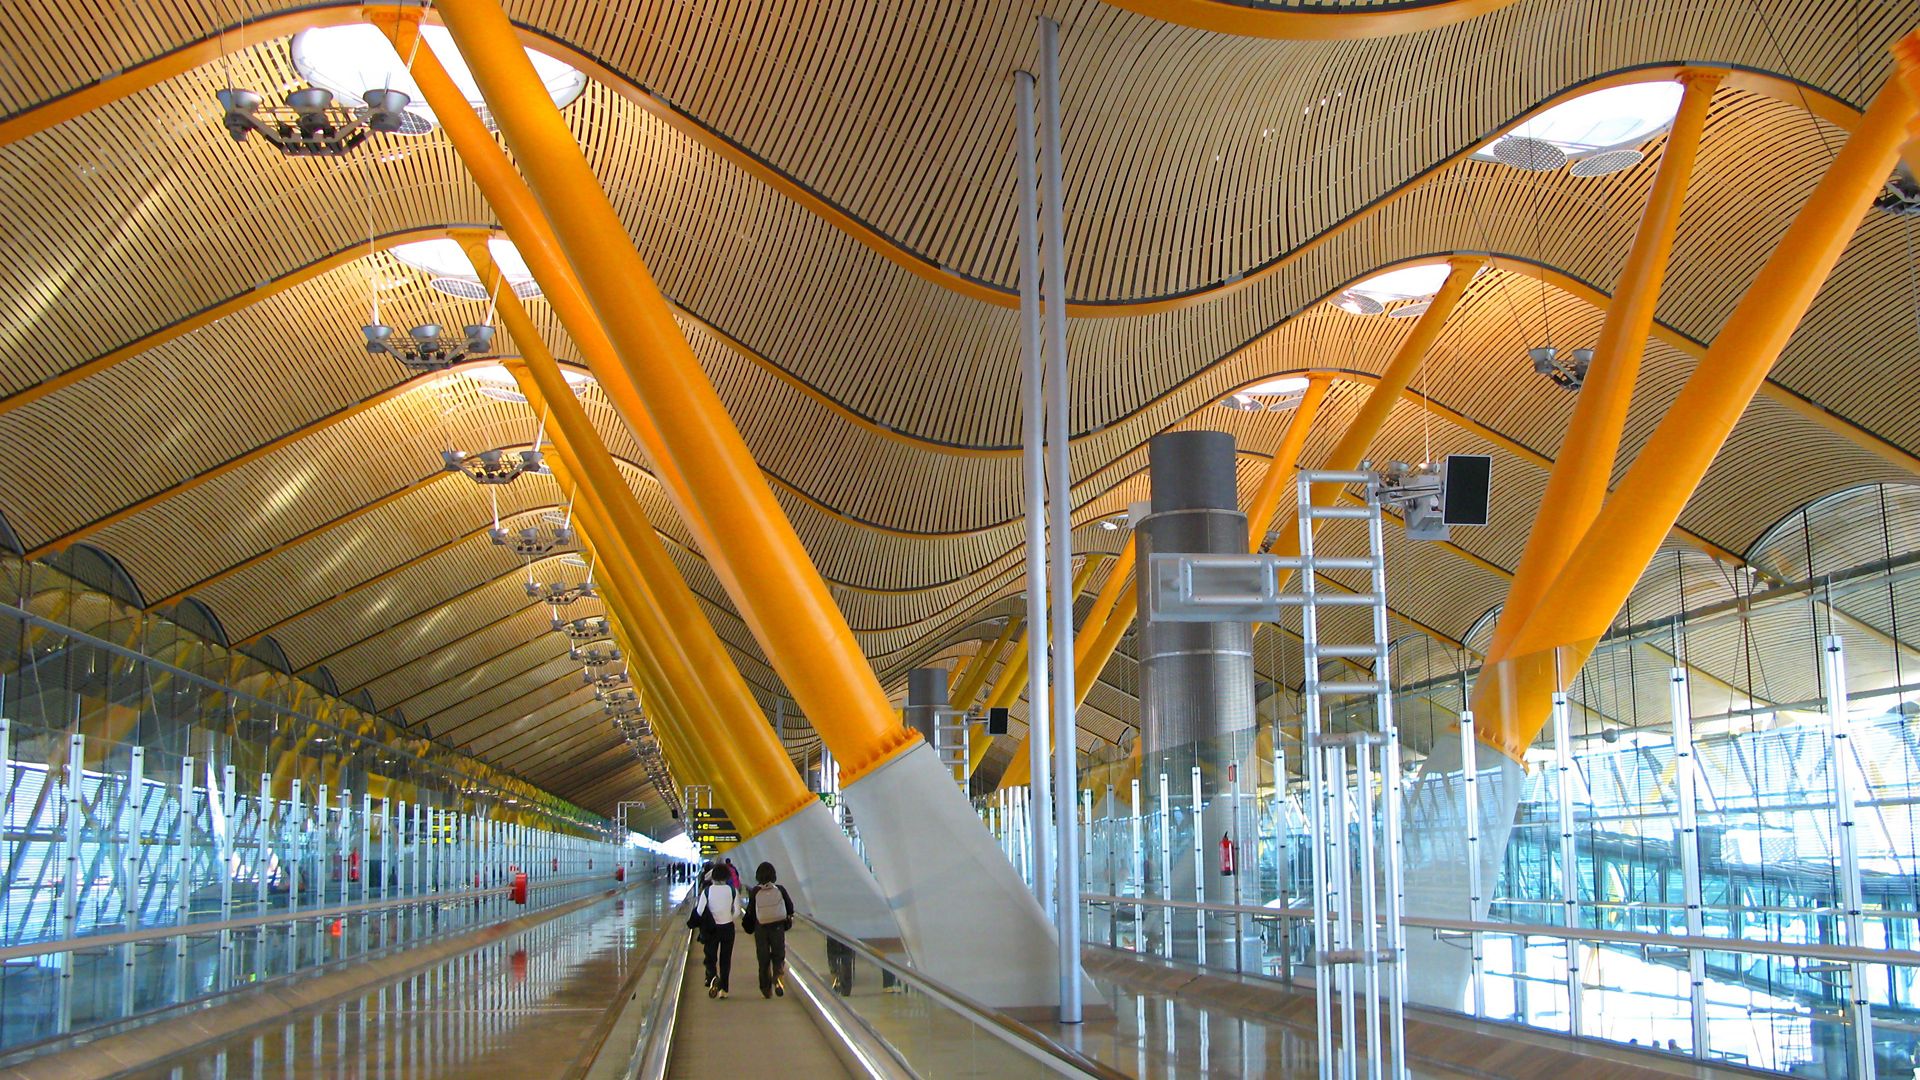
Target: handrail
point(1809, 950)
point(1020, 1036)
point(651, 1053)
point(162, 933)
point(878, 1058)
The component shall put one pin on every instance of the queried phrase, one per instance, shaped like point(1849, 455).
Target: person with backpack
point(769, 917)
point(715, 909)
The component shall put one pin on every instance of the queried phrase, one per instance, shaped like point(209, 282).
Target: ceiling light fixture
point(1570, 373)
point(582, 629)
point(493, 466)
point(311, 123)
point(559, 594)
point(426, 347)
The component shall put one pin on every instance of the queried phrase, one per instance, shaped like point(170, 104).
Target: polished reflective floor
point(523, 1007)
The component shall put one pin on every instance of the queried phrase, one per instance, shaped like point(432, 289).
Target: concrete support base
point(1437, 883)
point(822, 874)
point(965, 916)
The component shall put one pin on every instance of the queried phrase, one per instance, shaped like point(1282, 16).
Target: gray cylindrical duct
point(1196, 679)
point(1196, 684)
point(926, 695)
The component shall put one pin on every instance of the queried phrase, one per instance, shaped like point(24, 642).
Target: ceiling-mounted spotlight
point(594, 657)
point(426, 347)
point(1570, 373)
point(620, 696)
point(493, 466)
point(561, 594)
point(311, 123)
point(612, 680)
point(581, 629)
point(532, 541)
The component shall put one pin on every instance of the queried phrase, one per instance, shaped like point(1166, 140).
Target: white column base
point(821, 872)
point(966, 917)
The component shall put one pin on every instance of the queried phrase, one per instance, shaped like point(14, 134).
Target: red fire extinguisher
point(619, 873)
point(1226, 855)
point(353, 866)
point(519, 886)
point(556, 866)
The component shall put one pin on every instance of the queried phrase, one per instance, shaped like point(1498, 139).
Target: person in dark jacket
point(772, 911)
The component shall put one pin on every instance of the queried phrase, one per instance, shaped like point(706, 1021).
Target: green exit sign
point(826, 797)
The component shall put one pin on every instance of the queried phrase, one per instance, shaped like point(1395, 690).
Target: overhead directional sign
point(709, 813)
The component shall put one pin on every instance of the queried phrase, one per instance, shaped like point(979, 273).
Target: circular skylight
point(446, 262)
point(496, 382)
point(1278, 393)
point(1617, 118)
point(351, 60)
point(1371, 297)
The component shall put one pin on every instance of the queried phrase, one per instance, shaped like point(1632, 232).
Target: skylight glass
point(496, 382)
point(1611, 119)
point(444, 258)
point(350, 60)
point(1406, 283)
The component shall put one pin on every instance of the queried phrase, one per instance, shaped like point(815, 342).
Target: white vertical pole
point(1239, 920)
point(296, 854)
point(1569, 862)
point(6, 806)
point(1200, 847)
point(70, 886)
point(1685, 782)
point(322, 872)
point(1166, 866)
point(183, 878)
point(1137, 867)
point(1060, 526)
point(223, 847)
point(1282, 849)
point(262, 864)
point(1844, 765)
point(1033, 473)
point(130, 836)
point(1470, 797)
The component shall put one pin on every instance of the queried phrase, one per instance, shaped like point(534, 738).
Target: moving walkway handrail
point(1811, 950)
point(89, 942)
point(1021, 1037)
point(597, 1038)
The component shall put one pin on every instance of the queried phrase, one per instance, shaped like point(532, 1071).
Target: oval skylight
point(351, 60)
point(446, 262)
point(1616, 118)
point(1278, 393)
point(496, 382)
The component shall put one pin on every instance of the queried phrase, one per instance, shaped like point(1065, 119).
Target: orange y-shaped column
point(1584, 466)
point(1513, 698)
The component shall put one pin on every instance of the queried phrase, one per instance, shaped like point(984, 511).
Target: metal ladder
point(1359, 942)
point(953, 737)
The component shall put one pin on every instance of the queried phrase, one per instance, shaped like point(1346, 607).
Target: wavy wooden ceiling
point(782, 160)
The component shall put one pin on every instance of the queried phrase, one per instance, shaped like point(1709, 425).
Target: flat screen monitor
point(996, 721)
point(1468, 476)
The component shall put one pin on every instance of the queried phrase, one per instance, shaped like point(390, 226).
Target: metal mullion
point(1685, 776)
point(322, 871)
point(224, 844)
point(262, 862)
point(296, 834)
point(69, 885)
point(183, 878)
point(134, 800)
point(1569, 865)
point(1844, 765)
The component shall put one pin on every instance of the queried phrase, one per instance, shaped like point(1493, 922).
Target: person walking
point(716, 903)
point(769, 917)
point(733, 876)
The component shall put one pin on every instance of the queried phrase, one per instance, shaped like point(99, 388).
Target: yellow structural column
point(1351, 449)
point(1286, 458)
point(766, 787)
point(969, 689)
point(1584, 466)
point(1013, 677)
point(707, 466)
point(1513, 698)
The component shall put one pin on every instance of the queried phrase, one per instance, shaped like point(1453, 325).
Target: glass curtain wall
point(1743, 765)
point(153, 778)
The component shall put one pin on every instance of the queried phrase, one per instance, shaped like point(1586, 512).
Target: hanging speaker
point(1465, 483)
point(996, 721)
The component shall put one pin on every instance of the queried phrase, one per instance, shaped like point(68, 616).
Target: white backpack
point(770, 905)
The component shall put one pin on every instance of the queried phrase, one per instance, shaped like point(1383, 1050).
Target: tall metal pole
point(1033, 471)
point(1066, 842)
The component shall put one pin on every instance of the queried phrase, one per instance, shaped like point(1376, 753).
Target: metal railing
point(1030, 1043)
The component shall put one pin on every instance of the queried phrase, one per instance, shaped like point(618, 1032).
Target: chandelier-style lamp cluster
point(311, 123)
point(560, 594)
point(607, 680)
point(625, 697)
point(426, 347)
point(494, 466)
point(595, 657)
point(582, 629)
point(1569, 373)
